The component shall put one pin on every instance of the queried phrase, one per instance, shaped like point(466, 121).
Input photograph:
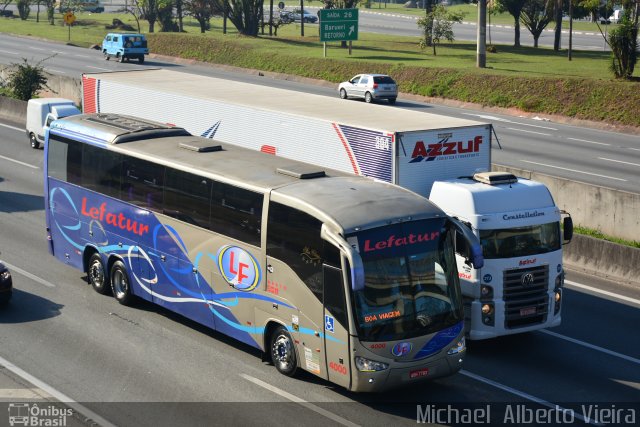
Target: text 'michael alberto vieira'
point(516, 414)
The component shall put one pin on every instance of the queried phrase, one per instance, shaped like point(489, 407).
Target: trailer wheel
point(343, 94)
point(120, 285)
point(368, 98)
point(33, 141)
point(283, 352)
point(97, 275)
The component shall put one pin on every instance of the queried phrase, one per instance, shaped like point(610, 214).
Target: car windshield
point(520, 241)
point(383, 80)
point(411, 282)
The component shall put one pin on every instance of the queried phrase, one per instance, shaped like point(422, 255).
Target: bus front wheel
point(120, 284)
point(97, 275)
point(283, 352)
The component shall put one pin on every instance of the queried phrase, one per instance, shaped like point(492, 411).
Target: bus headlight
point(458, 348)
point(5, 275)
point(366, 365)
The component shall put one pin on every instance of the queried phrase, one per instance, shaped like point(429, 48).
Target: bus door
point(336, 329)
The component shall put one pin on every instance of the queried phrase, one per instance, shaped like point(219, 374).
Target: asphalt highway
point(144, 366)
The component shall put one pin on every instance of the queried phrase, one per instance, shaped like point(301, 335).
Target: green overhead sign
point(338, 25)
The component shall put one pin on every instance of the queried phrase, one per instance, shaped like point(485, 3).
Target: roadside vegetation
point(537, 80)
point(598, 235)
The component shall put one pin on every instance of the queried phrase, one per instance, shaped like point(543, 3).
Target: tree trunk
point(152, 24)
point(535, 40)
point(179, 13)
point(558, 30)
point(516, 42)
point(203, 25)
point(434, 48)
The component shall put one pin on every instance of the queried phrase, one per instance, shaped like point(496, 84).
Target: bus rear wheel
point(120, 284)
point(97, 275)
point(283, 352)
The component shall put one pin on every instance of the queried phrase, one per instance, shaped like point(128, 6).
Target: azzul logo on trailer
point(444, 147)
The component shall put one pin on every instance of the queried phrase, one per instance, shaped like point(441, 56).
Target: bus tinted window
point(65, 158)
point(294, 238)
point(142, 183)
point(236, 212)
point(101, 170)
point(186, 197)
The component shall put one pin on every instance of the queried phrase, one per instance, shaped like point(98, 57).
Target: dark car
point(6, 284)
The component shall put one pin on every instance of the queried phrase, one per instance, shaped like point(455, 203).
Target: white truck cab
point(519, 288)
point(41, 112)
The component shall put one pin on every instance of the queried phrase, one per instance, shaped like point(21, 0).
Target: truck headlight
point(367, 365)
point(458, 348)
point(5, 275)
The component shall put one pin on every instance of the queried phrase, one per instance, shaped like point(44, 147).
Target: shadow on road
point(11, 202)
point(27, 307)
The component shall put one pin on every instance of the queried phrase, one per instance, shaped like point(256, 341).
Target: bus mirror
point(355, 262)
point(475, 248)
point(567, 225)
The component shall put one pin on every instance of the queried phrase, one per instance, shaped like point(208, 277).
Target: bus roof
point(376, 117)
point(351, 201)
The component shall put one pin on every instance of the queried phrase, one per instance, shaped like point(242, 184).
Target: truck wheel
point(368, 98)
point(96, 274)
point(283, 352)
point(141, 60)
point(120, 285)
point(106, 55)
point(343, 94)
point(34, 142)
point(119, 58)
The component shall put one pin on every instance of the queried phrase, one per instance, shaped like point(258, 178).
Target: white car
point(370, 87)
point(308, 17)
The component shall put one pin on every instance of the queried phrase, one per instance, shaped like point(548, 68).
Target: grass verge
point(598, 235)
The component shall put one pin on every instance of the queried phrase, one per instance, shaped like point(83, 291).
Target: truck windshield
point(411, 281)
point(520, 241)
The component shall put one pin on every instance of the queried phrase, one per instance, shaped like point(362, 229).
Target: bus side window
point(142, 183)
point(65, 159)
point(101, 170)
point(293, 237)
point(186, 197)
point(236, 212)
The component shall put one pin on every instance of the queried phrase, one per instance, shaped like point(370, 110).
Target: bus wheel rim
point(96, 274)
point(282, 351)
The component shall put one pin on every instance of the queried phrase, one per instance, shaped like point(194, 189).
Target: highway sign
point(338, 24)
point(69, 18)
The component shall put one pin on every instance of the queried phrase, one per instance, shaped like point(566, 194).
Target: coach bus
point(348, 278)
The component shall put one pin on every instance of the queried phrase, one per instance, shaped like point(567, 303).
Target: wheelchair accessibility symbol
point(328, 323)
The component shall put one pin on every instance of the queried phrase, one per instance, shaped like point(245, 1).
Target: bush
point(26, 80)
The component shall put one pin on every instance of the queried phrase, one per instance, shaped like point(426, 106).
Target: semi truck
point(409, 148)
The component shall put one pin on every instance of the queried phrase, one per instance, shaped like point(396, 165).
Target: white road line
point(33, 277)
point(619, 161)
point(98, 68)
point(53, 70)
point(500, 119)
point(634, 149)
point(302, 402)
point(530, 131)
point(12, 127)
point(522, 394)
point(591, 346)
point(590, 142)
point(9, 52)
point(603, 292)
point(58, 395)
point(36, 48)
point(22, 393)
point(574, 170)
point(81, 56)
point(19, 162)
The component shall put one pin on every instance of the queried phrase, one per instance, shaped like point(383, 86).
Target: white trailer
point(409, 148)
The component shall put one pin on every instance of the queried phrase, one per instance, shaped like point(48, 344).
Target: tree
point(514, 7)
point(244, 14)
point(165, 16)
point(149, 9)
point(5, 3)
point(558, 20)
point(26, 80)
point(202, 11)
point(623, 40)
point(536, 15)
point(438, 25)
point(24, 7)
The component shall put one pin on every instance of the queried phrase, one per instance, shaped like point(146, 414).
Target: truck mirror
point(567, 225)
point(477, 259)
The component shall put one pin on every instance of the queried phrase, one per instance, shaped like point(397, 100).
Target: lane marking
point(99, 68)
point(22, 393)
point(530, 131)
point(81, 56)
point(634, 149)
point(523, 395)
point(19, 162)
point(33, 277)
point(619, 161)
point(302, 402)
point(500, 119)
point(53, 70)
point(36, 48)
point(590, 142)
point(9, 52)
point(58, 395)
point(12, 127)
point(591, 346)
point(573, 170)
point(603, 292)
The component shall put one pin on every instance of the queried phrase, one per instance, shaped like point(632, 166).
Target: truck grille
point(525, 296)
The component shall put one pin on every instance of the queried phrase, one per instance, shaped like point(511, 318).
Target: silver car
point(371, 87)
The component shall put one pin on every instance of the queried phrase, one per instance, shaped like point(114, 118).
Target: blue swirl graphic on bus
point(440, 341)
point(239, 268)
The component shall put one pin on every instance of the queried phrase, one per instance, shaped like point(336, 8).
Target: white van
point(41, 112)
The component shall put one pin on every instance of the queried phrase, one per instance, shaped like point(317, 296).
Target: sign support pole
point(350, 43)
point(324, 49)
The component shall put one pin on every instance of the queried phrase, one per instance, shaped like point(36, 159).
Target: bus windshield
point(520, 241)
point(411, 281)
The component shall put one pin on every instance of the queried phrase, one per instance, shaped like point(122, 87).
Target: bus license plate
point(527, 311)
point(419, 373)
